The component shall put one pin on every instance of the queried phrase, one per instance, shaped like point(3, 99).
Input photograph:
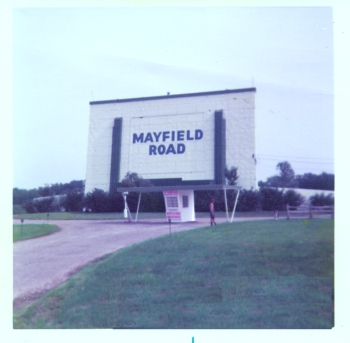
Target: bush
point(322, 200)
point(22, 196)
point(44, 205)
point(203, 198)
point(100, 201)
point(116, 201)
point(73, 202)
point(152, 202)
point(97, 201)
point(322, 181)
point(271, 199)
point(48, 204)
point(248, 200)
point(292, 198)
point(18, 209)
point(231, 175)
point(30, 207)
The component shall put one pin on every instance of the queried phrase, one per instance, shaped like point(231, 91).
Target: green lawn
point(117, 215)
point(245, 275)
point(70, 216)
point(26, 231)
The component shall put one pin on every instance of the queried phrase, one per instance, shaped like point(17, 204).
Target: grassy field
point(245, 275)
point(102, 216)
point(27, 231)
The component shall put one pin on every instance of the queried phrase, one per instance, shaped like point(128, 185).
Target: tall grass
point(248, 275)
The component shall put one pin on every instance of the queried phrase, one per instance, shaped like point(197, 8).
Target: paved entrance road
point(43, 263)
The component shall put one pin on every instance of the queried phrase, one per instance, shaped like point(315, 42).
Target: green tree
point(97, 201)
point(292, 198)
point(30, 207)
point(322, 200)
point(272, 181)
point(22, 196)
point(323, 181)
point(45, 205)
point(45, 191)
point(271, 199)
point(286, 174)
point(202, 200)
point(231, 175)
point(248, 200)
point(132, 179)
point(73, 202)
point(286, 177)
point(25, 197)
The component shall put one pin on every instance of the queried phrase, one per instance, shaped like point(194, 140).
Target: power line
point(296, 157)
point(302, 161)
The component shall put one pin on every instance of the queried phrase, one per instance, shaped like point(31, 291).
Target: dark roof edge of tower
point(253, 89)
point(213, 187)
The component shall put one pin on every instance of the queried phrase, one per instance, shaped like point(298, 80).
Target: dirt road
point(43, 263)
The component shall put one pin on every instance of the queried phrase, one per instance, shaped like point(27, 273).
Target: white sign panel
point(173, 145)
point(172, 205)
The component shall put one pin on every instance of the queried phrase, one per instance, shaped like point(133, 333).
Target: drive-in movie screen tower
point(180, 143)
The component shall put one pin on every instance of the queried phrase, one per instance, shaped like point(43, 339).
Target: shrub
point(18, 209)
point(322, 181)
point(44, 205)
point(73, 202)
point(48, 204)
point(116, 201)
point(97, 201)
point(22, 196)
point(231, 175)
point(271, 199)
point(100, 201)
point(30, 207)
point(248, 200)
point(292, 198)
point(152, 202)
point(322, 200)
point(132, 179)
point(203, 198)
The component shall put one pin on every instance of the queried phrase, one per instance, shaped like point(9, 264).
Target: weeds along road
point(41, 264)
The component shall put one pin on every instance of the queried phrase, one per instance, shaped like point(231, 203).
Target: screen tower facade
point(178, 142)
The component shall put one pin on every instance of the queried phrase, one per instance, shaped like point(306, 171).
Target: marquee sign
point(165, 137)
point(175, 145)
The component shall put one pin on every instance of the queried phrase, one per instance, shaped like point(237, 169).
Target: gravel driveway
point(43, 263)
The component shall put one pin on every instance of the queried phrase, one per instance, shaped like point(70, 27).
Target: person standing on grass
point(212, 212)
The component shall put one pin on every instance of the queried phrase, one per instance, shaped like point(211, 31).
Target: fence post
point(288, 216)
point(22, 220)
point(332, 212)
point(311, 211)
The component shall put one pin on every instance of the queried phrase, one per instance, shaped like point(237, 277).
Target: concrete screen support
point(174, 140)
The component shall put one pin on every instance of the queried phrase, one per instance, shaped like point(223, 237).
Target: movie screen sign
point(173, 145)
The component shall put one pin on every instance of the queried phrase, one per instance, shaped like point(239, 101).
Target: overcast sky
point(65, 58)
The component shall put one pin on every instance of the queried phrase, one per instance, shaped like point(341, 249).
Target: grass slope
point(27, 231)
point(247, 275)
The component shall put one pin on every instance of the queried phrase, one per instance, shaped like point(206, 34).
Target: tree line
point(270, 195)
point(288, 179)
point(23, 199)
point(22, 196)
